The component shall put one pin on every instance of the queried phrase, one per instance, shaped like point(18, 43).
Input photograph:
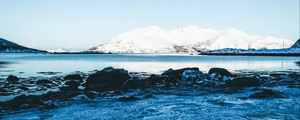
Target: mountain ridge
point(153, 39)
point(11, 47)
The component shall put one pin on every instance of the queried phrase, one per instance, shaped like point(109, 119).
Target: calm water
point(167, 105)
point(30, 64)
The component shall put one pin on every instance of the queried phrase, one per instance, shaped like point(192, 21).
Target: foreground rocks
point(111, 81)
point(73, 77)
point(220, 71)
point(243, 82)
point(12, 79)
point(107, 79)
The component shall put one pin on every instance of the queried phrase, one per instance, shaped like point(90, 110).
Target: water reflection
point(4, 64)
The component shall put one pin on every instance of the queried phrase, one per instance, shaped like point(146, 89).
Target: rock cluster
point(112, 81)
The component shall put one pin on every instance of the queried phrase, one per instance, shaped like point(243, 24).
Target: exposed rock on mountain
point(297, 44)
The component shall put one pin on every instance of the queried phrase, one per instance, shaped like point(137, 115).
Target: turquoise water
point(30, 64)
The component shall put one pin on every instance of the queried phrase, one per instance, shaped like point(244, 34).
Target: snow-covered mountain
point(62, 50)
point(153, 39)
point(59, 50)
point(11, 47)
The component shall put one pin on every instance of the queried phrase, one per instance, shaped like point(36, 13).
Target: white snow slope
point(153, 39)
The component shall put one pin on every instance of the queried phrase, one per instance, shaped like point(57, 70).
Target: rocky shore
point(45, 93)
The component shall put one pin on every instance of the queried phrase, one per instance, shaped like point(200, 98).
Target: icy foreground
point(174, 94)
point(153, 39)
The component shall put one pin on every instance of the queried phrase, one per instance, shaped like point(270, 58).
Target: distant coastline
point(85, 52)
point(252, 54)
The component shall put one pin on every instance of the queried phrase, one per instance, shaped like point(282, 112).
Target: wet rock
point(169, 72)
point(294, 86)
point(220, 71)
point(107, 79)
point(91, 94)
point(191, 75)
point(50, 106)
point(44, 101)
point(22, 101)
point(266, 93)
point(72, 83)
point(243, 82)
point(73, 77)
point(278, 74)
point(68, 88)
point(23, 88)
point(132, 84)
point(43, 82)
point(59, 95)
point(155, 79)
point(128, 98)
point(48, 73)
point(12, 79)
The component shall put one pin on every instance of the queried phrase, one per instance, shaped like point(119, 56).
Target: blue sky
point(81, 24)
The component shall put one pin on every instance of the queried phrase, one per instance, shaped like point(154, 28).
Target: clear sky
point(81, 24)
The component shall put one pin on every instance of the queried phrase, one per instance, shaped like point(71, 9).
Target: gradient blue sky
point(81, 24)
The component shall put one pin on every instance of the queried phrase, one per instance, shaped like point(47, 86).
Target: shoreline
point(198, 54)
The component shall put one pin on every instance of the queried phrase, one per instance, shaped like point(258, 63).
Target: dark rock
point(2, 90)
point(43, 82)
point(43, 101)
point(50, 106)
point(132, 84)
point(59, 95)
point(48, 73)
point(107, 79)
point(68, 88)
point(72, 83)
point(266, 93)
point(243, 82)
point(278, 74)
point(169, 72)
point(23, 101)
point(23, 88)
point(155, 79)
point(128, 98)
point(220, 71)
point(91, 94)
point(73, 77)
point(12, 79)
point(294, 86)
